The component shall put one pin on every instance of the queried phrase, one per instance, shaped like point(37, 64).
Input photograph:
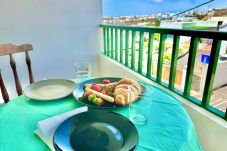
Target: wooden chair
point(10, 49)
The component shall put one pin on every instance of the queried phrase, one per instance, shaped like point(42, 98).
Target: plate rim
point(107, 112)
point(50, 99)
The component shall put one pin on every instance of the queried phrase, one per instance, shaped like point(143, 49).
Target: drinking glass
point(139, 109)
point(83, 71)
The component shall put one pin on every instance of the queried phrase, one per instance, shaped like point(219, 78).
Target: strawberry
point(96, 87)
point(109, 94)
point(103, 91)
point(94, 84)
point(113, 87)
point(106, 81)
point(88, 94)
point(101, 102)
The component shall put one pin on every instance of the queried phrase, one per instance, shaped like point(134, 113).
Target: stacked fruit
point(98, 94)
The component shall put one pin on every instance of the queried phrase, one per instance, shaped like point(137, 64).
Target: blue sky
point(146, 7)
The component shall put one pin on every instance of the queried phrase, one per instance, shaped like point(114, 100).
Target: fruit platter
point(107, 92)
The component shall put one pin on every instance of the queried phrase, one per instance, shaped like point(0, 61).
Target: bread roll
point(130, 82)
point(122, 92)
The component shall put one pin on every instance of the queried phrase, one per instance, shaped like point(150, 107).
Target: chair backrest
point(10, 49)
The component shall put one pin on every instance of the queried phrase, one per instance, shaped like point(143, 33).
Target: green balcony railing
point(120, 44)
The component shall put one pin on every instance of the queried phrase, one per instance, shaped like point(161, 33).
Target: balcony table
point(169, 127)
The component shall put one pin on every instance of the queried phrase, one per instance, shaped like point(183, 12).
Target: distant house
point(184, 19)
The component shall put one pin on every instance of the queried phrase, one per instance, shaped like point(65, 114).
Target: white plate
point(49, 89)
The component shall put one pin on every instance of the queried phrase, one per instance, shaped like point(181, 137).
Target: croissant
point(122, 93)
point(130, 82)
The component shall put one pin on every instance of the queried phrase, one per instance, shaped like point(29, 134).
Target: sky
point(147, 7)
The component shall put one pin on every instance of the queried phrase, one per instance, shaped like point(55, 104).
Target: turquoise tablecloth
point(169, 127)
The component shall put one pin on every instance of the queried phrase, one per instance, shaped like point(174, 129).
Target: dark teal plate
point(78, 92)
point(96, 130)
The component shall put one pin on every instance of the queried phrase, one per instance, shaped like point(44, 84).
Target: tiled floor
point(218, 98)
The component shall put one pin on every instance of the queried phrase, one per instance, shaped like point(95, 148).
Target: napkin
point(47, 127)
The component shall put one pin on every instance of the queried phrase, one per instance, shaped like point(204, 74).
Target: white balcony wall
point(61, 32)
point(220, 76)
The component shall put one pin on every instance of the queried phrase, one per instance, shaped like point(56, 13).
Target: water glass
point(83, 71)
point(139, 109)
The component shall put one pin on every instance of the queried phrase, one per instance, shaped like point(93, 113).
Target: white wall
point(220, 76)
point(62, 32)
point(211, 130)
